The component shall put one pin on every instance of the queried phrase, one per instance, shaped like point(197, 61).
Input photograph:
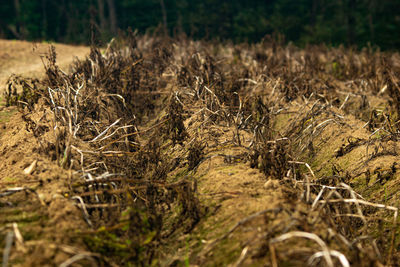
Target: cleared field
point(175, 153)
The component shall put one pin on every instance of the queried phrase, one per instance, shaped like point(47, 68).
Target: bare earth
point(246, 206)
point(43, 218)
point(20, 57)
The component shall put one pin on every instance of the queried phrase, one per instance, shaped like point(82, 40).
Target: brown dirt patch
point(24, 58)
point(264, 156)
point(39, 211)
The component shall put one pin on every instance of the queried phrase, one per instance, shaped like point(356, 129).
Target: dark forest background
point(350, 22)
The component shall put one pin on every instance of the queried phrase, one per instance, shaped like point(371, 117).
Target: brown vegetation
point(177, 152)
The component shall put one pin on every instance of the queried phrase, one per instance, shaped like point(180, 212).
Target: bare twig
point(78, 257)
point(325, 251)
point(7, 249)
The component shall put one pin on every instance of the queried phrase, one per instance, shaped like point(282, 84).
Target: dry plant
point(119, 119)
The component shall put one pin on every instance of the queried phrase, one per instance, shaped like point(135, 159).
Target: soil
point(46, 220)
point(24, 58)
point(246, 207)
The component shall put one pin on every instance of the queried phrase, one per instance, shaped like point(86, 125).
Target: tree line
point(350, 22)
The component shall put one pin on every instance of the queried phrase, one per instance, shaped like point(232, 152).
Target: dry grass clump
point(250, 89)
point(126, 117)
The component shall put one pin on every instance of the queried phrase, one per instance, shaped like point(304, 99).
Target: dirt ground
point(246, 207)
point(44, 218)
point(24, 58)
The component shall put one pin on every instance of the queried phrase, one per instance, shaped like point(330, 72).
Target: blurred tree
point(102, 17)
point(352, 22)
point(113, 16)
point(7, 19)
point(164, 14)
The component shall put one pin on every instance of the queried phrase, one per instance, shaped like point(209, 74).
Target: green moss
point(225, 253)
point(181, 174)
point(27, 232)
point(10, 212)
point(16, 261)
point(107, 244)
point(8, 179)
point(6, 115)
point(359, 183)
point(25, 218)
point(227, 169)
